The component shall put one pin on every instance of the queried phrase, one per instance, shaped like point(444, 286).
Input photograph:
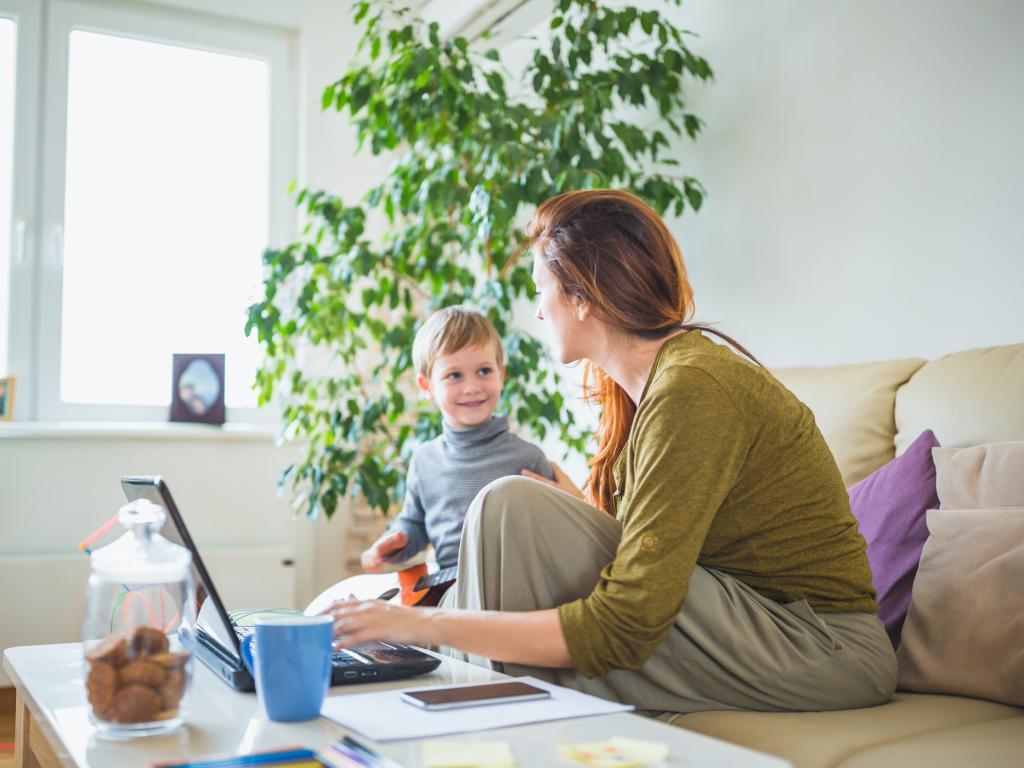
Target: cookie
point(172, 660)
point(172, 689)
point(112, 651)
point(100, 687)
point(148, 641)
point(144, 672)
point(136, 704)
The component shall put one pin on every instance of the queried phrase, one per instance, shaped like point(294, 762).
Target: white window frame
point(36, 274)
point(21, 333)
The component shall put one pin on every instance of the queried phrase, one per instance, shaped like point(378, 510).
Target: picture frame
point(197, 388)
point(6, 398)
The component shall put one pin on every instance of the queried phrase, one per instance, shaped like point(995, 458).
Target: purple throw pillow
point(890, 507)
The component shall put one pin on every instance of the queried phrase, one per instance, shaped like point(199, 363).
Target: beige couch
point(870, 413)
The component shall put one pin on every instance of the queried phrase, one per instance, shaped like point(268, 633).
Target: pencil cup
point(290, 660)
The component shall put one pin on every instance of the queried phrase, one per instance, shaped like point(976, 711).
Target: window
point(8, 32)
point(165, 154)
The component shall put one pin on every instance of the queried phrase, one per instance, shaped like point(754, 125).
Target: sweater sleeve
point(540, 464)
point(689, 443)
point(412, 518)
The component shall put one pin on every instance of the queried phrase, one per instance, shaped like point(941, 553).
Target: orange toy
point(408, 579)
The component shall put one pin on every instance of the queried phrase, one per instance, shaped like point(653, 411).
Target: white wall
point(864, 163)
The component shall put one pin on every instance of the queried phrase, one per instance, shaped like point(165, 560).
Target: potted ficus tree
point(475, 149)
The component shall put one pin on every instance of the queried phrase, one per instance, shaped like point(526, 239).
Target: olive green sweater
point(726, 469)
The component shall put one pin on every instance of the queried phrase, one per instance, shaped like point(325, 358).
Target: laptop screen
point(155, 489)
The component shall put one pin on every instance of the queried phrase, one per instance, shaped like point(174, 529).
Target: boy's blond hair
point(449, 330)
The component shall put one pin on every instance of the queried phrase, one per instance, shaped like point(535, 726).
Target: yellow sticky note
point(467, 754)
point(599, 754)
point(646, 752)
point(617, 752)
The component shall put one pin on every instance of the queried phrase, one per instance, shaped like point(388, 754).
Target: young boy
point(460, 365)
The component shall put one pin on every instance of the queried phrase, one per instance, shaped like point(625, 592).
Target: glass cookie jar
point(138, 628)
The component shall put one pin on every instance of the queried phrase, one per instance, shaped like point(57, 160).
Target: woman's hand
point(360, 621)
point(531, 638)
point(373, 558)
point(561, 481)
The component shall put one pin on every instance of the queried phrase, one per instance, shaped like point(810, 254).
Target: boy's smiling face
point(466, 385)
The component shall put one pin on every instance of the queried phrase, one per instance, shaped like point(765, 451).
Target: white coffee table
point(53, 727)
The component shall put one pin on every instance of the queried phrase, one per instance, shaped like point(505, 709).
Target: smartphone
point(473, 695)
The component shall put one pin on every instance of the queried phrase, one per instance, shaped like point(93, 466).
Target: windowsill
point(98, 430)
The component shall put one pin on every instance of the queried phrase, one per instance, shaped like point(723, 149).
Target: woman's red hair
point(607, 247)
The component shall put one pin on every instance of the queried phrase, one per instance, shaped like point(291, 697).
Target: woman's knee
point(497, 499)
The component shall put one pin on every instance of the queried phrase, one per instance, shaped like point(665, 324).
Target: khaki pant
point(527, 546)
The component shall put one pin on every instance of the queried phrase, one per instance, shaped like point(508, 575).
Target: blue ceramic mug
point(290, 660)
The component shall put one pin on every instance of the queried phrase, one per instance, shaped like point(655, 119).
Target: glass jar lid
point(142, 555)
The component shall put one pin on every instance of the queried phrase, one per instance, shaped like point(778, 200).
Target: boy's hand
point(561, 481)
point(373, 558)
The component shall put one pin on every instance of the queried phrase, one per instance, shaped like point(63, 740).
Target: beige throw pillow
point(981, 477)
point(964, 632)
point(966, 398)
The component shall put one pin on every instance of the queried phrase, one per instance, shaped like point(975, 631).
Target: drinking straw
point(87, 542)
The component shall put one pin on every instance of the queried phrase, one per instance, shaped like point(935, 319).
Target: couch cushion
point(965, 630)
point(993, 744)
point(890, 506)
point(825, 739)
point(966, 398)
point(979, 477)
point(853, 407)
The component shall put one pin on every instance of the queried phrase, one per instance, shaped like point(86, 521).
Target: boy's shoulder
point(523, 444)
point(425, 448)
point(534, 456)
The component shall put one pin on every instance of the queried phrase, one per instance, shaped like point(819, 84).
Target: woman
point(717, 564)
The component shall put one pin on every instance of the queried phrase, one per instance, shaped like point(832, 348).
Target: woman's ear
point(582, 311)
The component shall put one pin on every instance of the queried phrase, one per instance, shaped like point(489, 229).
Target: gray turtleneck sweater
point(446, 474)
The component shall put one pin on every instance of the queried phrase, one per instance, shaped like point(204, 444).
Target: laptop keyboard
point(343, 658)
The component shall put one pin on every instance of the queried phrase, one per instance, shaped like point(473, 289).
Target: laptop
point(218, 648)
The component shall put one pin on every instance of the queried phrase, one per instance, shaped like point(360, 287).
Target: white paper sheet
point(384, 716)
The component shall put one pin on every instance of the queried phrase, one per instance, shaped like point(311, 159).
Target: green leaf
point(694, 196)
point(327, 98)
point(693, 125)
point(647, 21)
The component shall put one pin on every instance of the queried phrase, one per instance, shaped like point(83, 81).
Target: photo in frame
point(197, 388)
point(6, 398)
